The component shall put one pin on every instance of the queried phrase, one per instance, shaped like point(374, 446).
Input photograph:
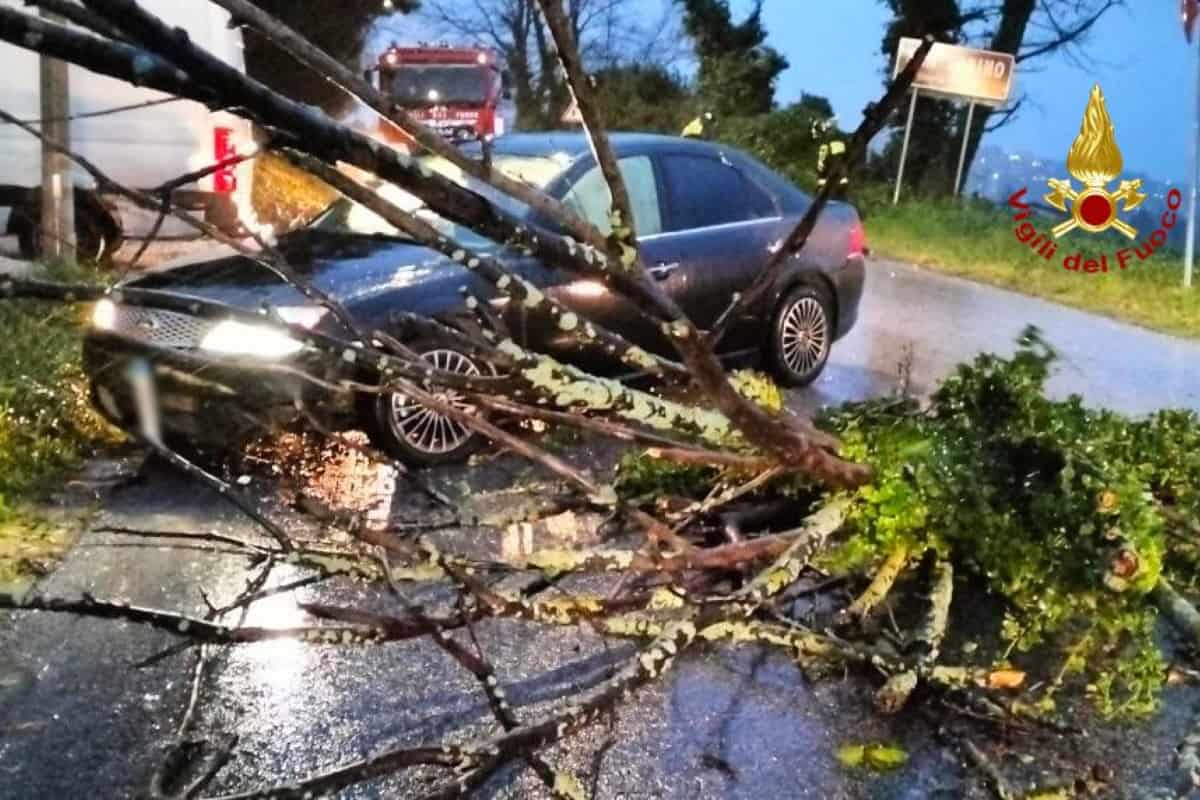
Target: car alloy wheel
point(802, 335)
point(804, 342)
point(425, 430)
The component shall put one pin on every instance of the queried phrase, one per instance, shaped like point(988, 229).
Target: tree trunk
point(1008, 37)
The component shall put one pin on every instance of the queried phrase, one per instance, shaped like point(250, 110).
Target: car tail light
point(858, 241)
point(225, 180)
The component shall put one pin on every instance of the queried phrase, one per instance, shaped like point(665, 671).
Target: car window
point(704, 191)
point(345, 216)
point(590, 198)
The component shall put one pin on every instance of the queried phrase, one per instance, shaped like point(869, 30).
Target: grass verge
point(976, 241)
point(47, 425)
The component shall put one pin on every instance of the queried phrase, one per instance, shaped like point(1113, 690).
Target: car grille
point(161, 328)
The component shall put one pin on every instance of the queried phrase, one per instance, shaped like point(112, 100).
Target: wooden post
point(58, 193)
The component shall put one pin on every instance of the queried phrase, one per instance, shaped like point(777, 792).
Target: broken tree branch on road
point(667, 574)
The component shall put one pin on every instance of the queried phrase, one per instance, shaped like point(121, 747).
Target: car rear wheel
point(419, 435)
point(801, 335)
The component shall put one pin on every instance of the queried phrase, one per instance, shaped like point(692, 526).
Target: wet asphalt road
point(77, 720)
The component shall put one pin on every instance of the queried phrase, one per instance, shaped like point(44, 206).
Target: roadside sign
point(572, 116)
point(981, 76)
point(954, 73)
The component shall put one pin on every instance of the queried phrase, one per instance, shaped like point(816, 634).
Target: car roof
point(571, 147)
point(573, 144)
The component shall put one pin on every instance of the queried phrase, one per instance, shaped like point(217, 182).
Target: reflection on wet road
point(77, 721)
point(943, 321)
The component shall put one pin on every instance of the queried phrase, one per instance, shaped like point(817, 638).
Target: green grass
point(47, 425)
point(977, 242)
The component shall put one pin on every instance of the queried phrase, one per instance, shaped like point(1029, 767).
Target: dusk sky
point(1138, 56)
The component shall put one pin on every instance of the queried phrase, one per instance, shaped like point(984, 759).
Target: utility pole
point(1190, 13)
point(1189, 248)
point(58, 193)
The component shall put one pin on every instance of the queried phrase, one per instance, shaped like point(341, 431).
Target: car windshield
point(421, 85)
point(345, 216)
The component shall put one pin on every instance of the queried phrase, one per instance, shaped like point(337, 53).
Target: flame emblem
point(1095, 160)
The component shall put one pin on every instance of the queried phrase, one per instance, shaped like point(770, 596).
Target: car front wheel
point(419, 435)
point(801, 335)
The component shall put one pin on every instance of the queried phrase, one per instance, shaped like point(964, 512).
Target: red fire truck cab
point(462, 92)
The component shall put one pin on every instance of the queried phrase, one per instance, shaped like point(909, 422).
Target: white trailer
point(142, 147)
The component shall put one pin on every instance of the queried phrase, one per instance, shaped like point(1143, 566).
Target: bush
point(1060, 511)
point(781, 139)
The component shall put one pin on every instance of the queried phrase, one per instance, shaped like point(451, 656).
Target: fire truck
point(461, 92)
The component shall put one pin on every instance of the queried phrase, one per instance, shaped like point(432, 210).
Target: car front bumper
point(207, 400)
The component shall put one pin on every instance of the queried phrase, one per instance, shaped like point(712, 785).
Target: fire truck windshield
point(438, 84)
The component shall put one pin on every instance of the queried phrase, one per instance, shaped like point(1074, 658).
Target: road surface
point(78, 720)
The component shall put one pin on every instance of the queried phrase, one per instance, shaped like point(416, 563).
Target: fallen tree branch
point(1178, 610)
point(874, 118)
point(894, 694)
point(332, 70)
point(194, 628)
point(488, 754)
point(880, 585)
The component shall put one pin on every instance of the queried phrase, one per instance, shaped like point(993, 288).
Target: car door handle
point(663, 270)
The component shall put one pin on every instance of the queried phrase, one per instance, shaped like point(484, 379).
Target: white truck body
point(142, 147)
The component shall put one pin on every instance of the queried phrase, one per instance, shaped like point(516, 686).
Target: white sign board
point(957, 72)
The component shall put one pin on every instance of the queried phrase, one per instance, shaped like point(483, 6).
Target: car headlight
point(304, 316)
point(235, 338)
point(104, 314)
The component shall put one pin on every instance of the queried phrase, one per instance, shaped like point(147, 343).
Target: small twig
point(205, 536)
point(991, 771)
point(880, 585)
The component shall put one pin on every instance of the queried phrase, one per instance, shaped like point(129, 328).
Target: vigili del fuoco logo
point(1095, 161)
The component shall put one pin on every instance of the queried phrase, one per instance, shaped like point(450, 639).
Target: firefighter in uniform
point(699, 128)
point(831, 157)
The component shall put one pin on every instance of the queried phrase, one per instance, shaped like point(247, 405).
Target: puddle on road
point(278, 665)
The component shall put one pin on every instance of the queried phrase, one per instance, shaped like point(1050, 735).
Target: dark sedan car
point(707, 216)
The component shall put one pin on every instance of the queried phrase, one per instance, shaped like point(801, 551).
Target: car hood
point(350, 268)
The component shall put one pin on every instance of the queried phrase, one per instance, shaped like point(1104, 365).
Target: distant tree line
point(647, 81)
point(1026, 29)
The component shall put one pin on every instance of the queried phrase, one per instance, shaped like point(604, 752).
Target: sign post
point(955, 73)
point(912, 108)
point(962, 154)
